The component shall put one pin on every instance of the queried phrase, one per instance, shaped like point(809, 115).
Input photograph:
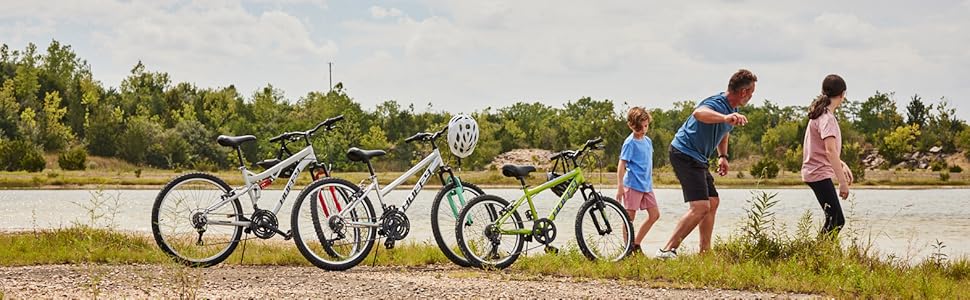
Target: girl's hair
point(636, 116)
point(832, 86)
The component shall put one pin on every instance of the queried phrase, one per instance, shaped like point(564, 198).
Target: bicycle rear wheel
point(478, 234)
point(444, 212)
point(603, 231)
point(332, 238)
point(184, 231)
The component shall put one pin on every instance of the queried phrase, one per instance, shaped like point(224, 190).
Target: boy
point(634, 174)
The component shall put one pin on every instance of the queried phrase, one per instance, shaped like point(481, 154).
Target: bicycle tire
point(167, 243)
point(359, 252)
point(590, 209)
point(438, 229)
point(463, 240)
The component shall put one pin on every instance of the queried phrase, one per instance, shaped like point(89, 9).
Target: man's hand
point(722, 166)
point(736, 119)
point(619, 195)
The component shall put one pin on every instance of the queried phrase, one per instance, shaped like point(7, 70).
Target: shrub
point(74, 158)
point(938, 165)
point(956, 169)
point(765, 168)
point(21, 156)
point(944, 176)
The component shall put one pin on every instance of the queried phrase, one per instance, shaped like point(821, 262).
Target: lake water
point(905, 223)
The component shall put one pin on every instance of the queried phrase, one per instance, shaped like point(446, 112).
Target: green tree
point(56, 134)
point(916, 111)
point(877, 116)
point(899, 142)
point(780, 138)
point(9, 111)
point(138, 139)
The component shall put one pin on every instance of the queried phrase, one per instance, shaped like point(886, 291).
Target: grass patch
point(817, 266)
point(759, 257)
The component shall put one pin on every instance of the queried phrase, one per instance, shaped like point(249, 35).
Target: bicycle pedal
point(552, 250)
point(389, 244)
point(248, 230)
point(288, 235)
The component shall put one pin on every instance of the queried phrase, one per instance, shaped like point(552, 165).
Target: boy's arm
point(620, 171)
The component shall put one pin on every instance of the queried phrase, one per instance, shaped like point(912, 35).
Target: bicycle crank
point(544, 231)
point(394, 225)
point(264, 225)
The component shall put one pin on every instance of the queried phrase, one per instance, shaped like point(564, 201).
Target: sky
point(462, 56)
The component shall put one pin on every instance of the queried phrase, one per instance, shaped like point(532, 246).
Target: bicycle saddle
point(517, 171)
point(356, 154)
point(234, 141)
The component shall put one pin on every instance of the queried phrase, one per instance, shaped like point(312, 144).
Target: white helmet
point(462, 135)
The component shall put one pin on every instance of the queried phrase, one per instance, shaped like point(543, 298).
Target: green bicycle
point(491, 232)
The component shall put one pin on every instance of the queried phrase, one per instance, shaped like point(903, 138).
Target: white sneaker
point(666, 254)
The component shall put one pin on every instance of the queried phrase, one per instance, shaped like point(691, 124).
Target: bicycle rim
point(477, 244)
point(174, 227)
point(321, 225)
point(604, 233)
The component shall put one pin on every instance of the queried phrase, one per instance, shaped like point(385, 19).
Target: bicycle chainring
point(544, 231)
point(394, 224)
point(263, 222)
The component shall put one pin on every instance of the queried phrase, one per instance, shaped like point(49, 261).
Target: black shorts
point(695, 177)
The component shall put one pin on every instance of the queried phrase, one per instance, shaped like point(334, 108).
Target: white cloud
point(842, 30)
point(740, 37)
point(380, 12)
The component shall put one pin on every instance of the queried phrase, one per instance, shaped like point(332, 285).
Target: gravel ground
point(154, 281)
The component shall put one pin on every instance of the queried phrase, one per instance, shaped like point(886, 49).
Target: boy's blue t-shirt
point(699, 140)
point(638, 155)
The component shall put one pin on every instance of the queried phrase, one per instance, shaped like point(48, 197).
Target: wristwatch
point(725, 156)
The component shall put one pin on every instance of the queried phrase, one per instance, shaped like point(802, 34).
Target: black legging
point(828, 198)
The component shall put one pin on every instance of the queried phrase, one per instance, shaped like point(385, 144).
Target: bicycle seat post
point(239, 155)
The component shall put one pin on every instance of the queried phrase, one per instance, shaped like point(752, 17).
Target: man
point(707, 130)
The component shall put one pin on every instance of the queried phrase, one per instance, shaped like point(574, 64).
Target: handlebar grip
point(594, 141)
point(330, 121)
point(414, 137)
point(276, 138)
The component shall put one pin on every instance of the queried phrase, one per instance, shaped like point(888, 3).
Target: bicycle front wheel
point(444, 211)
point(479, 233)
point(603, 231)
point(329, 224)
point(184, 230)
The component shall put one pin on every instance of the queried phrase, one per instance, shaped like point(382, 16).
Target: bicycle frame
point(430, 163)
point(301, 159)
point(575, 179)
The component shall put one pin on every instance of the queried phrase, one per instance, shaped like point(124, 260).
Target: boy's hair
point(636, 116)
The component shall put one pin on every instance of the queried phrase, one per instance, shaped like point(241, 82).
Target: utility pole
point(331, 75)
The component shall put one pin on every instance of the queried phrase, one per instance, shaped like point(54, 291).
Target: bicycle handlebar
point(425, 136)
point(293, 135)
point(590, 144)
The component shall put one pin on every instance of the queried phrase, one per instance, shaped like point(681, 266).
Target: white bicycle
point(197, 218)
point(347, 233)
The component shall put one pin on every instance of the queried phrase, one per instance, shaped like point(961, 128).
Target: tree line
point(50, 102)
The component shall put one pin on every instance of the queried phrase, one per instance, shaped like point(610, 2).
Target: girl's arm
point(832, 153)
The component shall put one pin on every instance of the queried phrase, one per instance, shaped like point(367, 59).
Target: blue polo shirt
point(638, 155)
point(699, 140)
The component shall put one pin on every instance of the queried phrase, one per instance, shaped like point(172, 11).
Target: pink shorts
point(637, 200)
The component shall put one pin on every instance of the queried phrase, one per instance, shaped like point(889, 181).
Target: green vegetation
point(759, 257)
point(50, 98)
point(74, 158)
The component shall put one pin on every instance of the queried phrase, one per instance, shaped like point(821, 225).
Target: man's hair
point(636, 116)
point(741, 79)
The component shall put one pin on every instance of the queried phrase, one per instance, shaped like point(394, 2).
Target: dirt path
point(153, 281)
